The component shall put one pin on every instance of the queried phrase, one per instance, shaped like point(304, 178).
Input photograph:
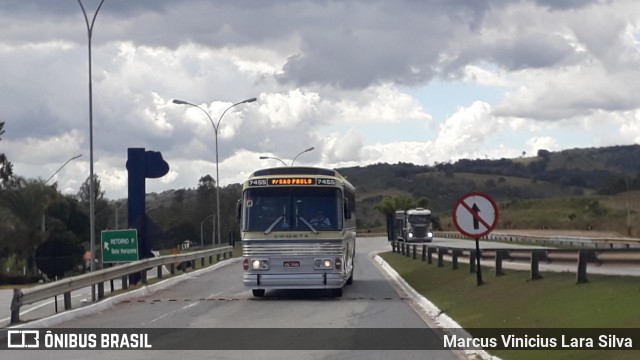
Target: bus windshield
point(292, 209)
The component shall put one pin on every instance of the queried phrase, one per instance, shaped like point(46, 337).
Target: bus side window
point(347, 209)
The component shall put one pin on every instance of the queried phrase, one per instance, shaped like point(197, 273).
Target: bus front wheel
point(350, 279)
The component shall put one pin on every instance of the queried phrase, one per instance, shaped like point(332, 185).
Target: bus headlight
point(410, 235)
point(320, 264)
point(430, 234)
point(260, 264)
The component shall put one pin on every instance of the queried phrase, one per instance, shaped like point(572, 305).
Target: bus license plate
point(291, 264)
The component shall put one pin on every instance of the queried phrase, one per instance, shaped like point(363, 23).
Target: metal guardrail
point(535, 255)
point(66, 286)
point(565, 240)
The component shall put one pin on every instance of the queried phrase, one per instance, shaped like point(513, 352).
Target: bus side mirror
point(347, 209)
point(239, 210)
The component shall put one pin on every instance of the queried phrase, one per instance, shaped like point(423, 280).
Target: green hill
point(570, 189)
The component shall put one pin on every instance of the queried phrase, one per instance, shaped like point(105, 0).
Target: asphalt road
point(48, 307)
point(217, 299)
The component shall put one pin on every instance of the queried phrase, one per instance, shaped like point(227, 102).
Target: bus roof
point(295, 170)
point(418, 211)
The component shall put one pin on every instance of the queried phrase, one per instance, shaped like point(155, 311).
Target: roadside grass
point(514, 301)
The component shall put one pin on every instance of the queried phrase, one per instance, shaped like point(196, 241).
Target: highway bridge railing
point(534, 255)
point(67, 285)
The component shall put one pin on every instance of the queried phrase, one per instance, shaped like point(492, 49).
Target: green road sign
point(119, 245)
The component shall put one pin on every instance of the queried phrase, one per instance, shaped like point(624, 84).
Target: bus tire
point(336, 292)
point(258, 292)
point(350, 279)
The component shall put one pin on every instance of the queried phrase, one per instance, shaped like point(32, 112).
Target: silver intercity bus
point(298, 229)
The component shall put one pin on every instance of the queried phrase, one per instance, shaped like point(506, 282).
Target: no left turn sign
point(475, 215)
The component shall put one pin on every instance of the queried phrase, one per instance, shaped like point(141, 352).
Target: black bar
point(478, 268)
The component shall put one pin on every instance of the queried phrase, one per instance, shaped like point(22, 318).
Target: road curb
point(429, 309)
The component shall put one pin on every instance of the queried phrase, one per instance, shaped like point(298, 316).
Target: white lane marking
point(173, 312)
point(191, 305)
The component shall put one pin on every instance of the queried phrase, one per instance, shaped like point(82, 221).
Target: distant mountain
point(520, 185)
point(575, 172)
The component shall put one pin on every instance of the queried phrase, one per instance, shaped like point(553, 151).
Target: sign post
point(475, 215)
point(119, 245)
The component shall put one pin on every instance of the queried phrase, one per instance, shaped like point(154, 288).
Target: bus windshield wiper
point(308, 224)
point(274, 224)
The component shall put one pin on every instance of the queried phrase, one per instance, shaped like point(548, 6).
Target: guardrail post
point(159, 271)
point(125, 282)
point(100, 290)
point(472, 261)
point(172, 269)
point(430, 252)
point(535, 264)
point(402, 249)
point(144, 276)
point(415, 249)
point(184, 266)
point(581, 273)
point(15, 306)
point(500, 254)
point(393, 246)
point(454, 259)
point(202, 262)
point(441, 253)
point(424, 253)
point(67, 300)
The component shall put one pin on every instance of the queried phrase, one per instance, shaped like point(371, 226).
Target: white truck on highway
point(414, 225)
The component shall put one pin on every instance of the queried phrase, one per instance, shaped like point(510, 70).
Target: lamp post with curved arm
point(300, 153)
point(50, 177)
point(202, 229)
point(60, 168)
point(92, 203)
point(216, 127)
point(273, 158)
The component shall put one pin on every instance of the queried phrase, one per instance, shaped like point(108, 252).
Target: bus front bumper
point(294, 281)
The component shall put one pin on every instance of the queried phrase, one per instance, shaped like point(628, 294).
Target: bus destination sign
point(293, 181)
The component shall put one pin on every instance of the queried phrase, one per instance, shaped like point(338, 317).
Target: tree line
point(43, 231)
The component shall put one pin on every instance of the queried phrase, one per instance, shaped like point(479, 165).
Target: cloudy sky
point(362, 81)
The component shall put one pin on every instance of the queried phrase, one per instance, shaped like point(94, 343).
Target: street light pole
point(302, 152)
point(118, 208)
point(216, 126)
point(50, 177)
point(60, 168)
point(273, 158)
point(92, 205)
point(202, 230)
